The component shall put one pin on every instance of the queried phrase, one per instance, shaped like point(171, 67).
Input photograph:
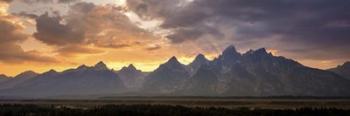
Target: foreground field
point(183, 106)
point(229, 103)
point(159, 110)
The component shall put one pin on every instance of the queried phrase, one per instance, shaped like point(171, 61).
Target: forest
point(160, 110)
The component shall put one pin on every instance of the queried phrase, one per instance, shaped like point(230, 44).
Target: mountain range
point(254, 73)
point(343, 70)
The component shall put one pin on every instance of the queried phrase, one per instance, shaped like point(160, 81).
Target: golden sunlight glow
point(3, 8)
point(320, 64)
point(33, 44)
point(272, 51)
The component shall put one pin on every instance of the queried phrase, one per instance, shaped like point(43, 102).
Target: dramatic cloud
point(50, 30)
point(67, 1)
point(45, 1)
point(11, 33)
point(298, 25)
point(7, 0)
point(86, 23)
point(12, 53)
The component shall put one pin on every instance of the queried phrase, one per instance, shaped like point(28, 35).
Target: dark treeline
point(159, 110)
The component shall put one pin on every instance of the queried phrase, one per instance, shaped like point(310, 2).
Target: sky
point(40, 35)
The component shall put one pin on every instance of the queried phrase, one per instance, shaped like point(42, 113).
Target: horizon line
point(180, 61)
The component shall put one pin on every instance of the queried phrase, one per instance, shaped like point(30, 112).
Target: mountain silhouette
point(254, 73)
point(131, 77)
point(19, 79)
point(167, 78)
point(3, 78)
point(82, 81)
point(343, 70)
point(199, 61)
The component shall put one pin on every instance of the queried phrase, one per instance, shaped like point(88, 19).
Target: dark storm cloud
point(52, 31)
point(35, 1)
point(45, 1)
point(310, 24)
point(67, 1)
point(196, 31)
point(87, 24)
point(316, 53)
point(7, 0)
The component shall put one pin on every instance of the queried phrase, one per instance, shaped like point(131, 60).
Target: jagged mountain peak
point(343, 66)
point(261, 50)
point(343, 70)
point(173, 58)
point(258, 52)
point(27, 74)
point(131, 66)
point(229, 55)
point(173, 61)
point(347, 64)
point(230, 50)
point(199, 61)
point(200, 57)
point(3, 76)
point(250, 51)
point(100, 63)
point(50, 72)
point(101, 66)
point(172, 64)
point(83, 67)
